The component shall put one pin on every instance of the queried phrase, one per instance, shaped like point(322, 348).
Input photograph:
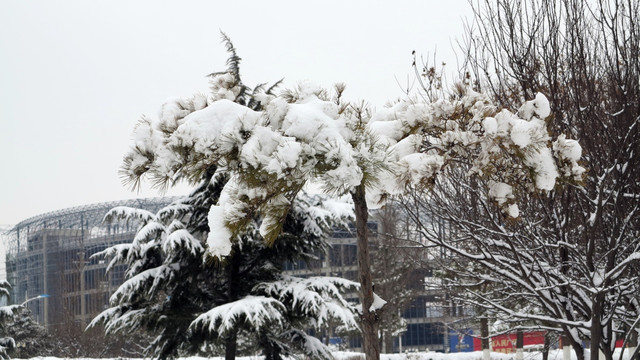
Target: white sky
point(75, 76)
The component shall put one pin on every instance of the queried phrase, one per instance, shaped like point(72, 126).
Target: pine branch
point(274, 86)
point(233, 62)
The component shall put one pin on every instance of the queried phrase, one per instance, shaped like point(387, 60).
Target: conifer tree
point(6, 317)
point(190, 301)
point(31, 338)
point(194, 295)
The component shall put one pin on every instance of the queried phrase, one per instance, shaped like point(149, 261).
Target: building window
point(423, 335)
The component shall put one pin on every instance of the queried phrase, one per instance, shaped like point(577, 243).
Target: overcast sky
point(75, 76)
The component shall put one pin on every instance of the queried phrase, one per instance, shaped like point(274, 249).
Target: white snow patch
point(490, 126)
point(219, 237)
point(377, 304)
point(539, 107)
point(418, 167)
point(568, 152)
point(544, 167)
point(500, 192)
point(513, 210)
point(521, 132)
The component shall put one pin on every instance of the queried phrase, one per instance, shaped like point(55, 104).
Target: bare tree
point(397, 271)
point(572, 261)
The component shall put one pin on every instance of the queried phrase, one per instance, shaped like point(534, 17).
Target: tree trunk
point(633, 345)
point(388, 342)
point(596, 326)
point(484, 334)
point(547, 345)
point(230, 347)
point(370, 344)
point(578, 349)
point(230, 342)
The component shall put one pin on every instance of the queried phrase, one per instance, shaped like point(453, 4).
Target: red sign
point(506, 343)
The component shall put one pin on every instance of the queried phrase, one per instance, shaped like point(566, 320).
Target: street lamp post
point(41, 296)
point(35, 298)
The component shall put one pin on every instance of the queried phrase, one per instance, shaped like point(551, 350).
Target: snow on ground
point(344, 355)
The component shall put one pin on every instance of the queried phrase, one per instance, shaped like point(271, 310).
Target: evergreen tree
point(6, 315)
point(194, 294)
point(191, 301)
point(31, 339)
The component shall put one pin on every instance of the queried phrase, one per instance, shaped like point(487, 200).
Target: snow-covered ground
point(343, 355)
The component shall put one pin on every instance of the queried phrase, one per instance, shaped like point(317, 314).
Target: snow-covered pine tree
point(192, 292)
point(31, 338)
point(6, 317)
point(189, 301)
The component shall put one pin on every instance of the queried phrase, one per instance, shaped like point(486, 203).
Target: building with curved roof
point(49, 265)
point(49, 260)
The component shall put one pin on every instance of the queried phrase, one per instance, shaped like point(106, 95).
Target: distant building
point(49, 264)
point(428, 315)
point(4, 230)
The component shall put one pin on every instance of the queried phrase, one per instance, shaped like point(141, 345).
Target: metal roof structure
point(86, 217)
point(51, 254)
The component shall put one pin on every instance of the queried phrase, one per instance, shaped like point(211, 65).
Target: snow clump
point(569, 153)
point(537, 108)
point(500, 192)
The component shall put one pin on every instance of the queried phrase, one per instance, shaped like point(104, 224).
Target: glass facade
point(50, 264)
point(423, 335)
point(424, 315)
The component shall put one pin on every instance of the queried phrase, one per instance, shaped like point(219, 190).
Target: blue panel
point(460, 340)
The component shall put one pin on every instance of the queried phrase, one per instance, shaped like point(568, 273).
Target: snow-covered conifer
point(189, 281)
point(191, 300)
point(6, 318)
point(31, 338)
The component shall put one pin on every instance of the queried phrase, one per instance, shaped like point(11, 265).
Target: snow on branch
point(320, 213)
point(118, 254)
point(147, 232)
point(174, 211)
point(255, 311)
point(129, 213)
point(182, 239)
point(310, 345)
point(273, 149)
point(318, 297)
point(118, 319)
point(149, 280)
